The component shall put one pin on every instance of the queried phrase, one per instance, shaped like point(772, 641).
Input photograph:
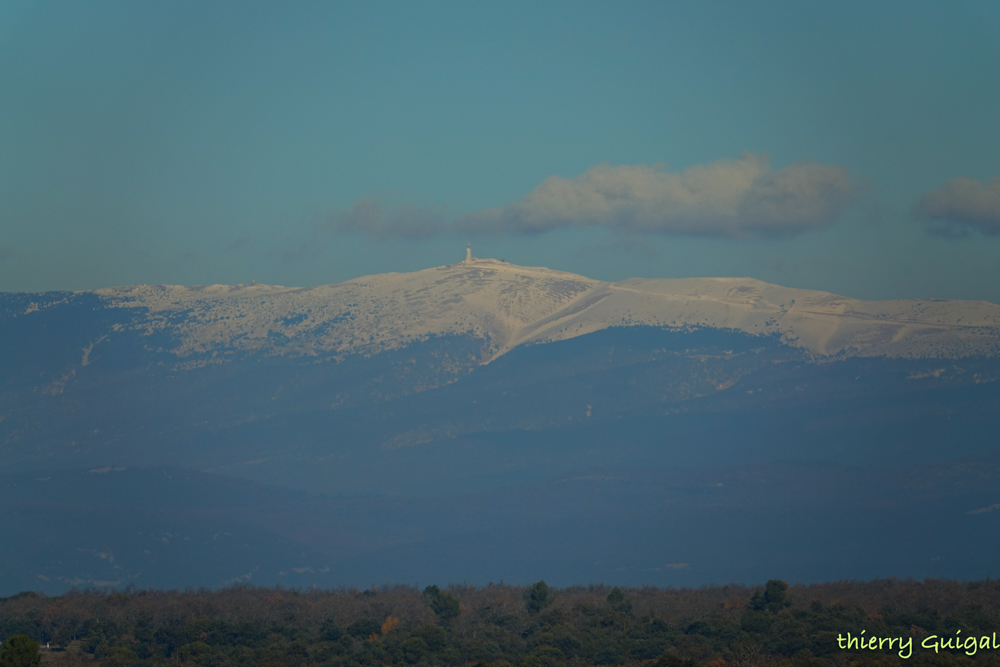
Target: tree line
point(501, 625)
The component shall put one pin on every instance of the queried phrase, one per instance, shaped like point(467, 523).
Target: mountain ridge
point(505, 305)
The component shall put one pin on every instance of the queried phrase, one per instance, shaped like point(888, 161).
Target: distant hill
point(450, 384)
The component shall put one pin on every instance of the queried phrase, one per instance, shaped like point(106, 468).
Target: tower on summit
point(468, 253)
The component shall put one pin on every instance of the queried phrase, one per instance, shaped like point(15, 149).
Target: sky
point(851, 147)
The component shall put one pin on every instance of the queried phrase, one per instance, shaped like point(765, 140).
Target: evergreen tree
point(538, 597)
point(20, 651)
point(444, 604)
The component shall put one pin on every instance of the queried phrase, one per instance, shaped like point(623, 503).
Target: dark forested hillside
point(775, 624)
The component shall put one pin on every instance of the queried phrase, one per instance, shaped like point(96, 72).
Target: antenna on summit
point(468, 253)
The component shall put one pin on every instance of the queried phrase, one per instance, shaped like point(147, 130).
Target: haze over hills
point(427, 413)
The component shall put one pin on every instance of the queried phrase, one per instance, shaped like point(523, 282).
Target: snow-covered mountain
point(504, 305)
point(105, 369)
point(482, 396)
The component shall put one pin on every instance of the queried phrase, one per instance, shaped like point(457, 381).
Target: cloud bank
point(727, 198)
point(961, 205)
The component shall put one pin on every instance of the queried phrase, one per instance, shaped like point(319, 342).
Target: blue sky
point(852, 147)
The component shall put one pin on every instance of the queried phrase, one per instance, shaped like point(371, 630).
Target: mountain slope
point(281, 384)
point(503, 305)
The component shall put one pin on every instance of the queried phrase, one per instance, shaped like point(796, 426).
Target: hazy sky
point(852, 147)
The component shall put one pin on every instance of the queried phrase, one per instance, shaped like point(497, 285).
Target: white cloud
point(739, 197)
point(735, 198)
point(962, 204)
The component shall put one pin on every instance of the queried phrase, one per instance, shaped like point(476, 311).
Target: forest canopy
point(498, 625)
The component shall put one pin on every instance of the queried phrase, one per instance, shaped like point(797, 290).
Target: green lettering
point(908, 646)
point(933, 645)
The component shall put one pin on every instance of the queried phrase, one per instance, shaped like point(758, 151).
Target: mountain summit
point(504, 305)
